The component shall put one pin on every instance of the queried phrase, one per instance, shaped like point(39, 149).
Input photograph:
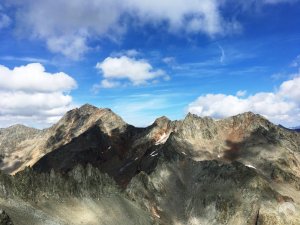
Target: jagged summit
point(162, 120)
point(88, 107)
point(239, 117)
point(18, 127)
point(249, 116)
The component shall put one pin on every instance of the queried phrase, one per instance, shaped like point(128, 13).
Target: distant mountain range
point(93, 168)
point(296, 128)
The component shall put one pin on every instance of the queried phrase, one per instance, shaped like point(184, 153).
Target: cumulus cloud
point(291, 89)
point(30, 95)
point(137, 71)
point(281, 106)
point(33, 78)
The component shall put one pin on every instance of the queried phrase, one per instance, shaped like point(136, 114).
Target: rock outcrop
point(4, 218)
point(210, 192)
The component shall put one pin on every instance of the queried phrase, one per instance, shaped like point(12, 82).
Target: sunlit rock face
point(238, 170)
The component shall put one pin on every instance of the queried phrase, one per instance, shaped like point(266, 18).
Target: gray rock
point(4, 218)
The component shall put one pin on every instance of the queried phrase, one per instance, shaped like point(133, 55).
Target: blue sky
point(145, 59)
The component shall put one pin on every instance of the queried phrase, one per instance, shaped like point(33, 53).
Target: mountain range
point(91, 167)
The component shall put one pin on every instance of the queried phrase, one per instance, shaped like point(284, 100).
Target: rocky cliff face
point(210, 192)
point(239, 170)
point(82, 196)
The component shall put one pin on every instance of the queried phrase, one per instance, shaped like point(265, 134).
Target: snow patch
point(250, 166)
point(153, 153)
point(163, 138)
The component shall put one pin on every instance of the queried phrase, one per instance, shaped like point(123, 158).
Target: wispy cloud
point(222, 57)
point(296, 62)
point(142, 109)
point(26, 59)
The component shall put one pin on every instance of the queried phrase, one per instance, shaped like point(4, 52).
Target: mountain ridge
point(238, 170)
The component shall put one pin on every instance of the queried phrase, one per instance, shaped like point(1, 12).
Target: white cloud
point(25, 59)
point(291, 89)
point(204, 15)
point(67, 26)
point(71, 46)
point(32, 96)
point(281, 106)
point(137, 71)
point(33, 78)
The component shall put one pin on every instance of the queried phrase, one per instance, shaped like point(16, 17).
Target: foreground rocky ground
point(93, 168)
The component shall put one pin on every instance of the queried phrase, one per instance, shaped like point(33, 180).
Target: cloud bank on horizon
point(281, 106)
point(29, 93)
point(98, 33)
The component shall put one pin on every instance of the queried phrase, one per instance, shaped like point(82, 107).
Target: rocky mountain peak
point(193, 125)
point(248, 118)
point(193, 118)
point(18, 128)
point(162, 121)
point(89, 115)
point(88, 109)
point(11, 136)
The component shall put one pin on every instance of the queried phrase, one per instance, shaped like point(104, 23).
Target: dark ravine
point(239, 170)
